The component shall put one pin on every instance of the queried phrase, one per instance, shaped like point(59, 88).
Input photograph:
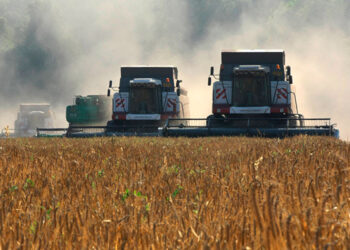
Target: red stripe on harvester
point(120, 102)
point(280, 93)
point(221, 94)
point(171, 102)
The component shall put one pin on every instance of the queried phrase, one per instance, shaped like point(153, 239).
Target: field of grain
point(157, 193)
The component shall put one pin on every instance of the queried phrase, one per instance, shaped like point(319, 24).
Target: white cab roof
point(251, 68)
point(146, 80)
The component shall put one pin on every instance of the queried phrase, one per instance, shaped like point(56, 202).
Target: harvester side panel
point(121, 102)
point(280, 92)
point(170, 102)
point(222, 92)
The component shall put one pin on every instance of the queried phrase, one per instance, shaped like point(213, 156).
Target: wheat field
point(174, 193)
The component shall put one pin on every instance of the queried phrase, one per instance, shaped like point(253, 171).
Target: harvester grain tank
point(32, 116)
point(87, 117)
point(253, 96)
point(89, 110)
point(146, 98)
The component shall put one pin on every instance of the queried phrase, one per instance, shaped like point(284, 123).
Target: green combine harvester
point(90, 111)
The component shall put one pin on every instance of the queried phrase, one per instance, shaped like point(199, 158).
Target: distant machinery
point(89, 110)
point(32, 116)
point(253, 96)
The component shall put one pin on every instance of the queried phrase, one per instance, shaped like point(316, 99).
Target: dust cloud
point(75, 47)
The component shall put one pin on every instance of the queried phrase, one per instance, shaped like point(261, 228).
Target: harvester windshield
point(145, 100)
point(250, 89)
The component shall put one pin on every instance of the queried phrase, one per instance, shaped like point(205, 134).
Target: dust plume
point(75, 47)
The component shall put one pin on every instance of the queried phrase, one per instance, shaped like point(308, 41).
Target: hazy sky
point(75, 47)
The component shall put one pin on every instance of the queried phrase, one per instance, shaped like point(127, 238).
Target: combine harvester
point(146, 98)
point(86, 117)
point(253, 96)
point(31, 116)
point(91, 110)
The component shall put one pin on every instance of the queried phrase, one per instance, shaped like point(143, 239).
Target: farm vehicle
point(253, 95)
point(146, 98)
point(30, 117)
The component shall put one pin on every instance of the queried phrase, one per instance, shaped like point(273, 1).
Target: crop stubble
point(153, 193)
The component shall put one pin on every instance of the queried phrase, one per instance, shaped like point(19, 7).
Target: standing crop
point(153, 193)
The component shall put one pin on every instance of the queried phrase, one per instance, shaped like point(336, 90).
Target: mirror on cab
point(288, 70)
point(290, 79)
point(211, 70)
point(178, 91)
point(209, 81)
point(178, 83)
point(108, 92)
point(110, 84)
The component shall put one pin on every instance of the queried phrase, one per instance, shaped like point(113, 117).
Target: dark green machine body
point(89, 110)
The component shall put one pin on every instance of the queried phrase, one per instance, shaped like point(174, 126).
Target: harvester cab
point(146, 98)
